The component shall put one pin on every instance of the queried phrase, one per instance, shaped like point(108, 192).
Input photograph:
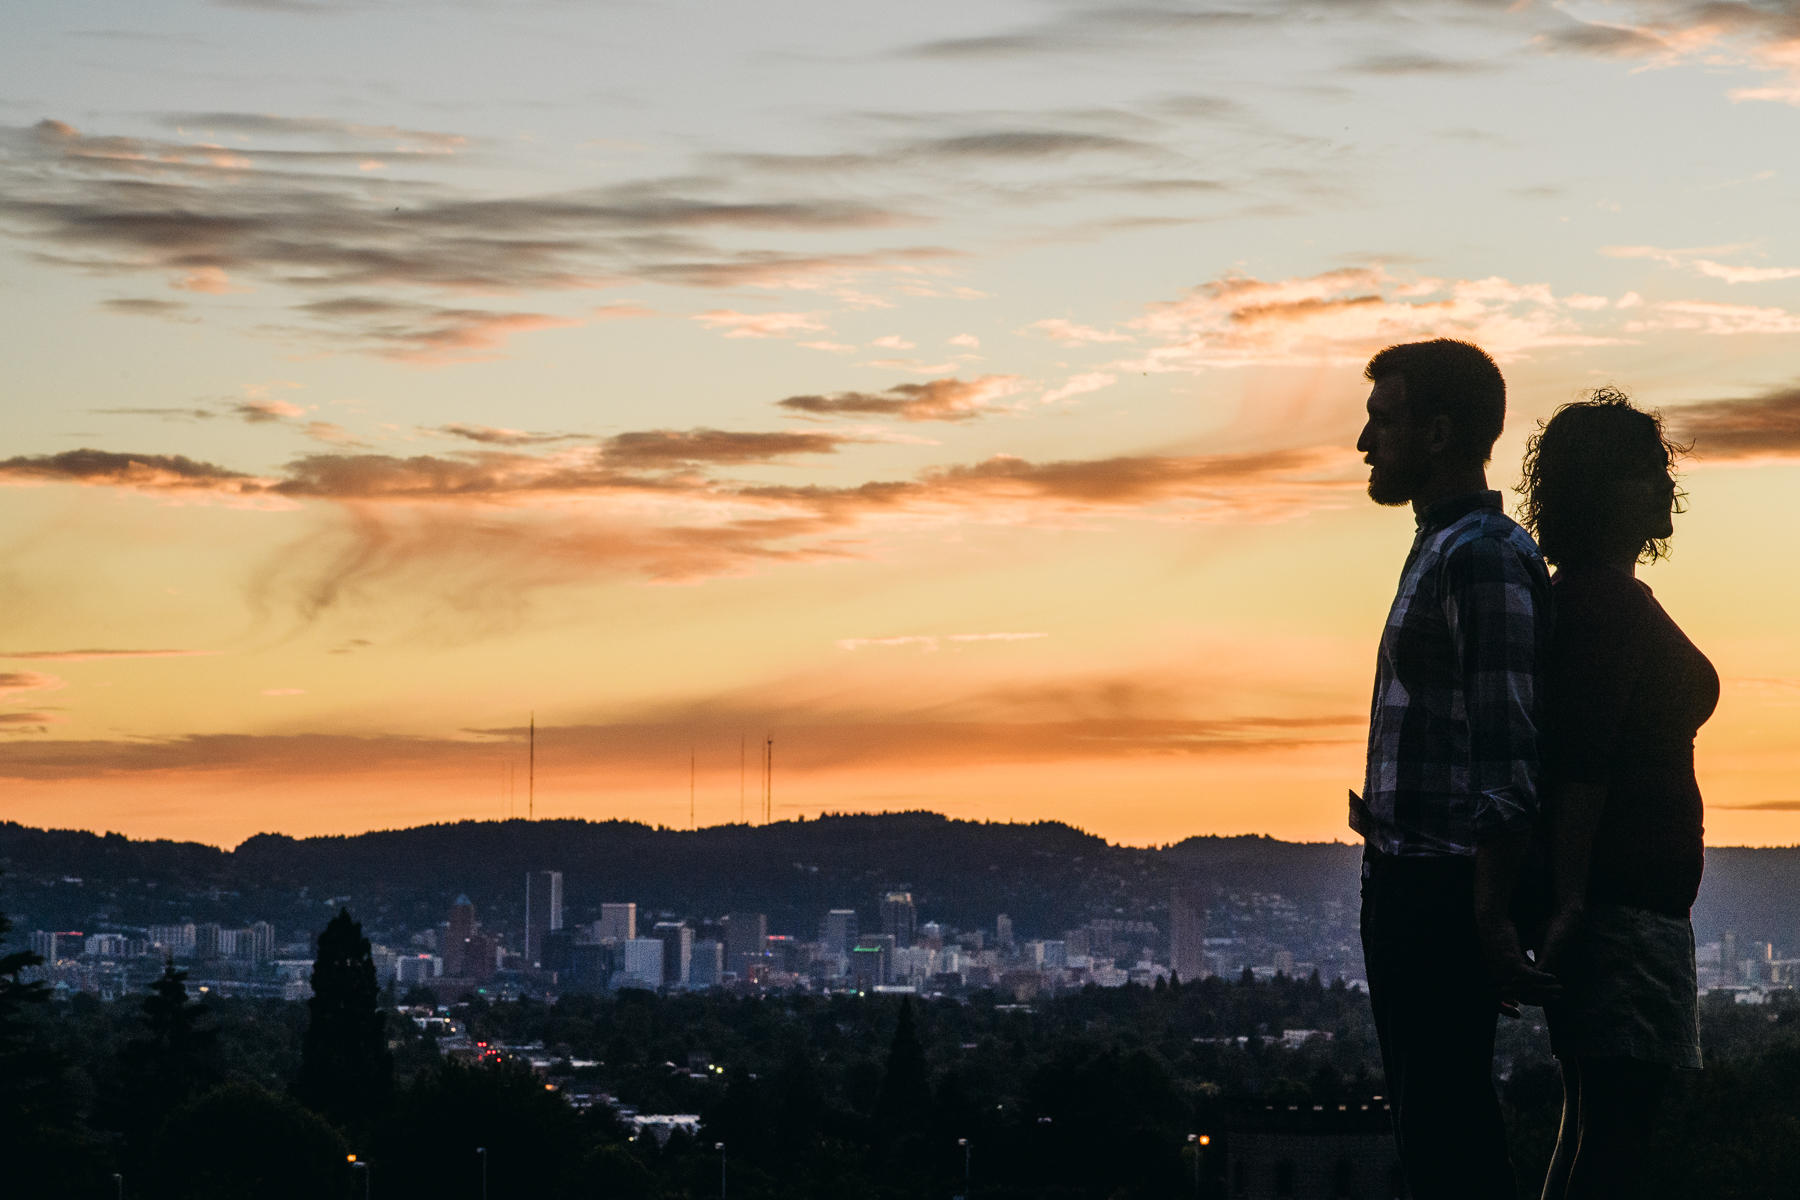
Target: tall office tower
point(899, 919)
point(1003, 934)
point(234, 943)
point(206, 940)
point(176, 941)
point(458, 939)
point(1729, 963)
point(838, 931)
point(262, 935)
point(43, 945)
point(556, 950)
point(1187, 934)
point(746, 943)
point(642, 966)
point(872, 960)
point(678, 951)
point(707, 965)
point(543, 910)
point(617, 923)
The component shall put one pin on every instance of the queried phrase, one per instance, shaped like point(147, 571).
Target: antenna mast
point(768, 778)
point(691, 821)
point(742, 743)
point(531, 775)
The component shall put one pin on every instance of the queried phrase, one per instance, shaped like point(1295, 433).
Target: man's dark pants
point(1434, 1012)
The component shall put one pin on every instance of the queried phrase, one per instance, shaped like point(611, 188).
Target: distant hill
point(1048, 876)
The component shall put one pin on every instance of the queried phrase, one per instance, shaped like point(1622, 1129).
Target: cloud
point(928, 643)
point(263, 411)
point(1718, 320)
point(1071, 334)
point(1705, 266)
point(169, 310)
point(94, 655)
point(965, 339)
point(269, 125)
point(488, 435)
point(204, 215)
point(760, 325)
point(1344, 316)
point(12, 682)
point(1410, 63)
point(1754, 427)
point(153, 473)
point(938, 400)
point(1667, 33)
point(667, 447)
point(1092, 381)
point(425, 334)
point(1026, 144)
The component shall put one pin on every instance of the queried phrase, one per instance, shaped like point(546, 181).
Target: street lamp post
point(482, 1150)
point(364, 1168)
point(1200, 1142)
point(720, 1147)
point(968, 1150)
point(119, 1181)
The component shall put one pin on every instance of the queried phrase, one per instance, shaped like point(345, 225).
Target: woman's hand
point(1559, 936)
point(1515, 976)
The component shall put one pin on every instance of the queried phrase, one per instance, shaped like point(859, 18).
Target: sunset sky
point(961, 394)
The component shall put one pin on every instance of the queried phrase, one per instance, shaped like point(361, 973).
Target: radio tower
point(768, 778)
point(531, 775)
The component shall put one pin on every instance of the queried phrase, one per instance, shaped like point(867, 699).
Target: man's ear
point(1438, 435)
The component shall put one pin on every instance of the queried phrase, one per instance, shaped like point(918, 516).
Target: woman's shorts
point(1630, 989)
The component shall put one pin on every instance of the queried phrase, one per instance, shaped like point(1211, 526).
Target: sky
point(961, 397)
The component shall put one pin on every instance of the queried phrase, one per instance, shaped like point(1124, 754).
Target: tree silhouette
point(240, 1140)
point(905, 1099)
point(346, 1072)
point(164, 1069)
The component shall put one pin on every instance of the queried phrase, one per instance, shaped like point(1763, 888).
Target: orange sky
point(963, 399)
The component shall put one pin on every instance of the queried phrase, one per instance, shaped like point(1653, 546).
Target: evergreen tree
point(346, 1072)
point(27, 1071)
point(164, 1069)
point(905, 1099)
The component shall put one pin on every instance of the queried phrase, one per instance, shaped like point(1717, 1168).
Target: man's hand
point(1515, 977)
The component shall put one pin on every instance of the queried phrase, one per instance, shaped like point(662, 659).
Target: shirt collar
point(1451, 509)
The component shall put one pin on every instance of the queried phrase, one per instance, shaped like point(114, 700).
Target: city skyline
point(938, 408)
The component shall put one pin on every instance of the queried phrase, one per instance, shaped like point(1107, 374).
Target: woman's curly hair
point(1575, 466)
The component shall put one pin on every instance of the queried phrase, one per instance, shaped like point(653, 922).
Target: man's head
point(1435, 409)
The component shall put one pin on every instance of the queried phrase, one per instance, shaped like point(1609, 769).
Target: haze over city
point(963, 397)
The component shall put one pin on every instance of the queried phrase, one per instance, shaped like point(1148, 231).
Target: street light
point(120, 1181)
point(364, 1168)
point(482, 1150)
point(720, 1147)
point(968, 1150)
point(1201, 1141)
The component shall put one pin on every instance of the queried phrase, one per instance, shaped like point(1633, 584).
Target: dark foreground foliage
point(1085, 1095)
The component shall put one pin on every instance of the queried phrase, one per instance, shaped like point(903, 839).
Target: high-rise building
point(838, 932)
point(462, 919)
point(707, 965)
point(234, 943)
point(617, 923)
point(43, 944)
point(1729, 963)
point(543, 910)
point(1055, 954)
point(746, 943)
point(872, 960)
point(590, 967)
point(678, 951)
point(899, 919)
point(262, 942)
point(206, 940)
point(1003, 934)
point(556, 950)
point(642, 965)
point(175, 941)
point(1187, 934)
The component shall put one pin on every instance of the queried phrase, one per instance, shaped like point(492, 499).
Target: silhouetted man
point(1450, 795)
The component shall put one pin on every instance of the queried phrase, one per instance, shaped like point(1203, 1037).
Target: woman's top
point(1627, 694)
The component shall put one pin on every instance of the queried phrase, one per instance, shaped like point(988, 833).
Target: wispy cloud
point(760, 325)
point(1666, 33)
point(1342, 316)
point(1765, 426)
point(938, 400)
point(1705, 266)
point(93, 655)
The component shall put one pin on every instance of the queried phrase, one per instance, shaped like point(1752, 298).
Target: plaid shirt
point(1453, 727)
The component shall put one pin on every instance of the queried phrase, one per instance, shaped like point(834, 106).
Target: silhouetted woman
point(1628, 691)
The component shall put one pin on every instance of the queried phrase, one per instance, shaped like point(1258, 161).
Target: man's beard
point(1398, 484)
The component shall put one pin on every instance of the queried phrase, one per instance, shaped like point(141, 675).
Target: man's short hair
point(1453, 379)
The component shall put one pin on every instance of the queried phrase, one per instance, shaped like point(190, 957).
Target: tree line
point(1087, 1094)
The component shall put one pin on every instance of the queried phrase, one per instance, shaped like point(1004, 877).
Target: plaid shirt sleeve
point(1494, 600)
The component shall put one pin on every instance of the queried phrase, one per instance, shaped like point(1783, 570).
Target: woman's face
point(1653, 495)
